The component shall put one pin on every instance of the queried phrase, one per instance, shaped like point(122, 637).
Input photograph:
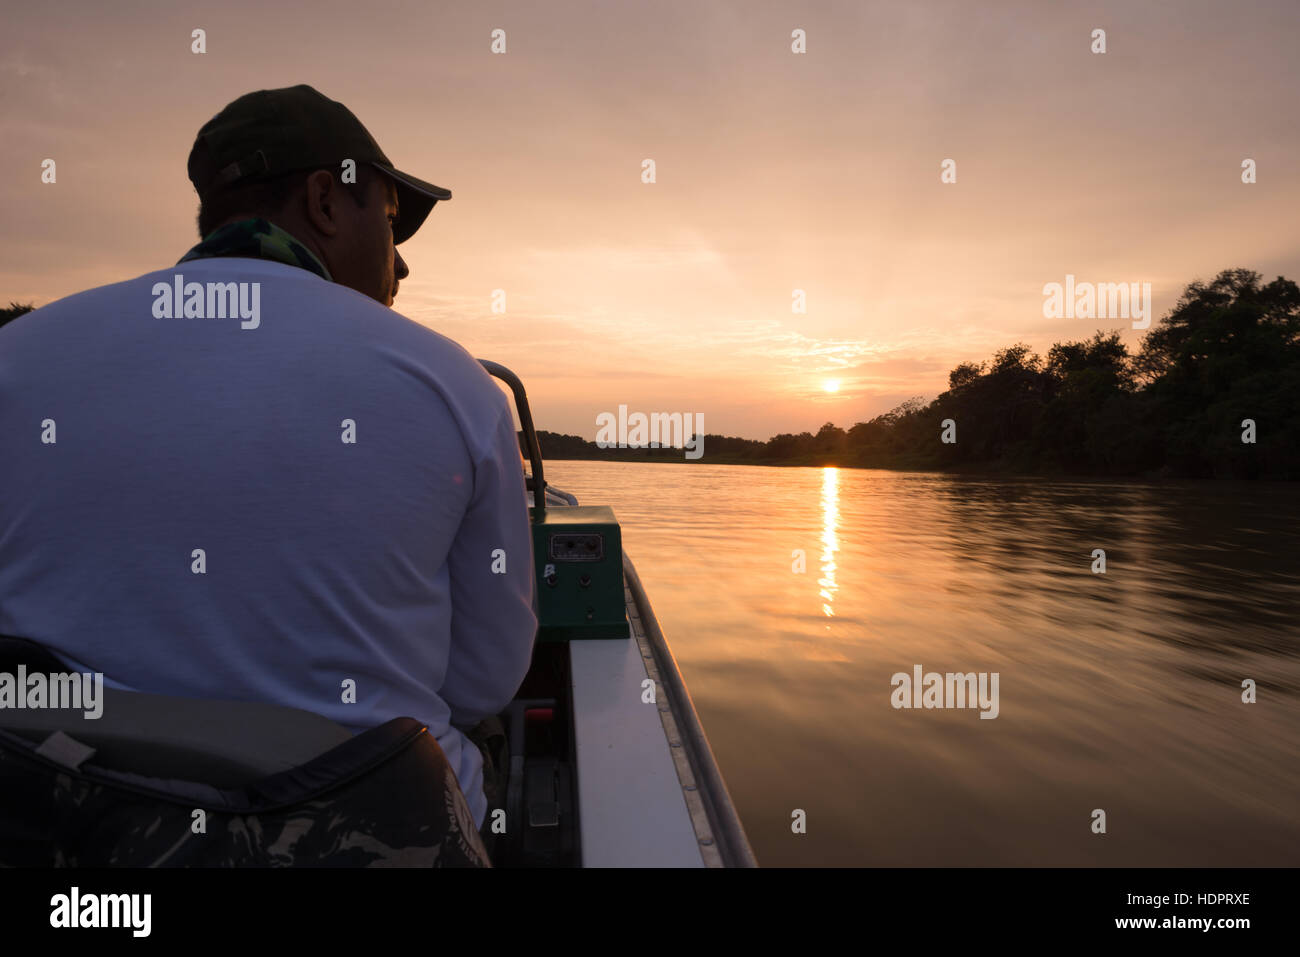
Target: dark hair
point(269, 195)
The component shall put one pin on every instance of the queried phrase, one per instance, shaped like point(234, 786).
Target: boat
point(606, 764)
point(625, 777)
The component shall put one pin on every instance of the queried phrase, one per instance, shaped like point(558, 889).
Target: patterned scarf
point(257, 239)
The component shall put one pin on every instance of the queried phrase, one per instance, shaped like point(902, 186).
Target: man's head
point(348, 226)
point(281, 155)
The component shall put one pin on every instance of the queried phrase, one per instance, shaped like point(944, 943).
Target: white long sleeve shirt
point(274, 510)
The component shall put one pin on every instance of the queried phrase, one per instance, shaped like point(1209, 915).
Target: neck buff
point(257, 239)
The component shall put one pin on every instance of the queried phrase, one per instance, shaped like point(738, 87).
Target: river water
point(1118, 691)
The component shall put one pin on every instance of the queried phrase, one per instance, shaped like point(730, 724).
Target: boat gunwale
point(727, 831)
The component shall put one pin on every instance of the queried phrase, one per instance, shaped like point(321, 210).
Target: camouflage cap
point(270, 132)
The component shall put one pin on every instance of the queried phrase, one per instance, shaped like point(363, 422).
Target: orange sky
point(775, 171)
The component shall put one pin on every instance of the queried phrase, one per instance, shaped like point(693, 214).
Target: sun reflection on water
point(830, 539)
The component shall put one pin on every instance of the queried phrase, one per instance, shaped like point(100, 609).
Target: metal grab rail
point(530, 433)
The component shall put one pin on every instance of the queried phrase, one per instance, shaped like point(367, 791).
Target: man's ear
point(322, 199)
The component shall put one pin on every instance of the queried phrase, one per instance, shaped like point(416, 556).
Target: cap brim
point(415, 200)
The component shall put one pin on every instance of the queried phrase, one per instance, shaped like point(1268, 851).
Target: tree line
point(13, 311)
point(1212, 392)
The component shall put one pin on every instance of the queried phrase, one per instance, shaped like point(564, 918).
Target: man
point(245, 477)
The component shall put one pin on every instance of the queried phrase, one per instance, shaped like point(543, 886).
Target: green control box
point(579, 557)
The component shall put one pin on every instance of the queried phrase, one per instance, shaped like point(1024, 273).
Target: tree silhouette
point(13, 311)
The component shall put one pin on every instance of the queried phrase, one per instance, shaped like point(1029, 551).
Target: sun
point(831, 385)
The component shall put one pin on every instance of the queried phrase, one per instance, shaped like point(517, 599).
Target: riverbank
point(1000, 469)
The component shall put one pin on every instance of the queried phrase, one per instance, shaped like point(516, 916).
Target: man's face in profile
point(368, 261)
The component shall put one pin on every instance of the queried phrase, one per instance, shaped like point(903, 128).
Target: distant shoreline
point(999, 470)
point(1213, 393)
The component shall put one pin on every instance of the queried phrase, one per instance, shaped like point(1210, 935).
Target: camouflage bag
point(388, 797)
point(385, 797)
